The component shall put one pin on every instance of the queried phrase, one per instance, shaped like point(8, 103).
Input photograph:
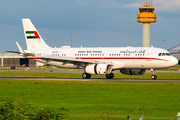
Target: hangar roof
point(177, 47)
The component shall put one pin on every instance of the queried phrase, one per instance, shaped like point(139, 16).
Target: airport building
point(13, 59)
point(175, 51)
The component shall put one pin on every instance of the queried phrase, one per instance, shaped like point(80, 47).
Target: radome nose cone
point(174, 62)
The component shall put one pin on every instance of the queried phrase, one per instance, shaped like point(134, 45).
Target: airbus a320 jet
point(95, 60)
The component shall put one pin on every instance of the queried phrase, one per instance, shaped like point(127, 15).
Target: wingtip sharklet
point(20, 48)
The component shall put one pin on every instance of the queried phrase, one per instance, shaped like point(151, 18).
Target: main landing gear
point(153, 74)
point(110, 76)
point(88, 76)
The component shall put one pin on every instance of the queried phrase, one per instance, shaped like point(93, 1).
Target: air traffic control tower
point(146, 17)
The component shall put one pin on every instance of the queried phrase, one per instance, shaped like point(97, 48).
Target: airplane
point(95, 60)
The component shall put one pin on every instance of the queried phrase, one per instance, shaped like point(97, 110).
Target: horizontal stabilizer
point(21, 51)
point(13, 52)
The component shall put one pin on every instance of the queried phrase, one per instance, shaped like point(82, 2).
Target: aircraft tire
point(154, 77)
point(110, 76)
point(86, 76)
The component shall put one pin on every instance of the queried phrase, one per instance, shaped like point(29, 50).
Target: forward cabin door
point(148, 55)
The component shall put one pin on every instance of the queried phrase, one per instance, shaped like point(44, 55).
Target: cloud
point(109, 4)
point(82, 2)
point(160, 5)
point(133, 5)
point(167, 5)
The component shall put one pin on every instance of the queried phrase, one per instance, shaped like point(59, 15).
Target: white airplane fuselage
point(119, 57)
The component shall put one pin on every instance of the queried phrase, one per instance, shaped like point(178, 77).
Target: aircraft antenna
point(151, 3)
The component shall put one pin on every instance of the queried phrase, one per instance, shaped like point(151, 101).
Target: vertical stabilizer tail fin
point(32, 36)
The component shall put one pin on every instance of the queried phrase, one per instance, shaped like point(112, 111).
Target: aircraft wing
point(66, 60)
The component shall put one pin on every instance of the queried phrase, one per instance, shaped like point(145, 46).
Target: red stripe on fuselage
point(35, 58)
point(112, 58)
point(121, 58)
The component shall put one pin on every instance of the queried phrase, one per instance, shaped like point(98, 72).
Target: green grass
point(79, 75)
point(98, 100)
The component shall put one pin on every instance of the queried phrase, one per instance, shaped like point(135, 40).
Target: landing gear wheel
point(153, 74)
point(153, 77)
point(110, 76)
point(86, 76)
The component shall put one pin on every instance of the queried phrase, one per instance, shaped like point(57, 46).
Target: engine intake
point(101, 69)
point(133, 71)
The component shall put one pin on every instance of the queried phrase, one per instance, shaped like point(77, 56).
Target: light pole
point(164, 44)
point(71, 34)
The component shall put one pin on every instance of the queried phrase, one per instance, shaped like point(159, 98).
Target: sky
point(96, 23)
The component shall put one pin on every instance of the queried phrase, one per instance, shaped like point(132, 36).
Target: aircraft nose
point(174, 61)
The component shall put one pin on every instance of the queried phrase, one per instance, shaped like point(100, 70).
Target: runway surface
point(81, 79)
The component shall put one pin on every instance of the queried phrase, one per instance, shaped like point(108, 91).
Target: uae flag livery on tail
point(32, 35)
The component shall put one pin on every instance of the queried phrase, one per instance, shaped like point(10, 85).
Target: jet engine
point(133, 71)
point(101, 69)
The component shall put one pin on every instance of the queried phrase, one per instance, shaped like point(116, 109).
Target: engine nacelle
point(133, 71)
point(101, 69)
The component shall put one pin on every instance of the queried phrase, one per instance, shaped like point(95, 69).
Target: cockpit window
point(164, 54)
point(168, 54)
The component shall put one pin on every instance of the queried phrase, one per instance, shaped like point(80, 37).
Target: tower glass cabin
point(146, 14)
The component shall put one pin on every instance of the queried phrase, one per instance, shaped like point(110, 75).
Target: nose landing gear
point(153, 74)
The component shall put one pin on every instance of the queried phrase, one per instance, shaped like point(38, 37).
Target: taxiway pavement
point(81, 79)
